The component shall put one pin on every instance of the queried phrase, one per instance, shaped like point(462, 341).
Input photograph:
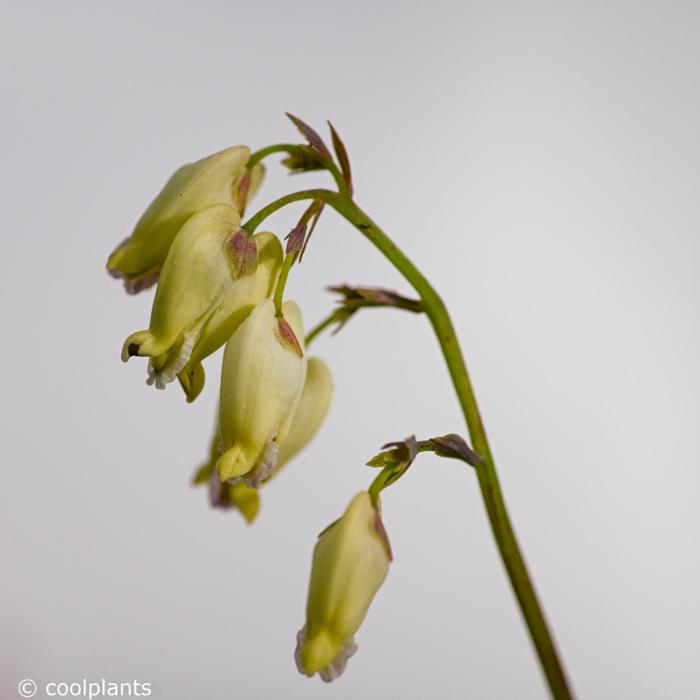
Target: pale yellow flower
point(350, 562)
point(313, 407)
point(221, 178)
point(200, 301)
point(262, 379)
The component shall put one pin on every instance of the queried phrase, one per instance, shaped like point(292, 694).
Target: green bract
point(217, 179)
point(350, 562)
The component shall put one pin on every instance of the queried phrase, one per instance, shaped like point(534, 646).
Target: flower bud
point(262, 379)
point(313, 408)
point(350, 562)
point(221, 178)
point(199, 301)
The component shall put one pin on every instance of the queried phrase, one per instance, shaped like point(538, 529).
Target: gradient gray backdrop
point(540, 163)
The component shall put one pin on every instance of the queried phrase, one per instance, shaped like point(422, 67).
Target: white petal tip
point(264, 466)
point(336, 668)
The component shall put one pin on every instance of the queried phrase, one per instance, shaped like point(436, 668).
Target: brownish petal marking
point(287, 337)
point(243, 252)
point(381, 531)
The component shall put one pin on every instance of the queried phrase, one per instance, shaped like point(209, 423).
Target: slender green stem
point(263, 153)
point(486, 472)
point(252, 224)
point(305, 151)
point(320, 327)
point(377, 486)
point(278, 297)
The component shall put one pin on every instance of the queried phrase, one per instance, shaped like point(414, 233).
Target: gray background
point(540, 163)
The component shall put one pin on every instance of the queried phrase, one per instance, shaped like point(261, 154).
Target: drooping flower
point(313, 408)
point(203, 296)
point(310, 413)
point(350, 562)
point(262, 379)
point(221, 178)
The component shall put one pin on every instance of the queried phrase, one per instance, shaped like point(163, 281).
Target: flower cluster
point(214, 287)
point(222, 286)
point(215, 283)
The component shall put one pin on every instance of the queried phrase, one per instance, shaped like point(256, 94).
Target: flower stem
point(296, 149)
point(252, 224)
point(486, 471)
point(320, 327)
point(278, 297)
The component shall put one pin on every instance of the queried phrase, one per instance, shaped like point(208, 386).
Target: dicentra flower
point(203, 295)
point(221, 178)
point(311, 412)
point(262, 378)
point(350, 562)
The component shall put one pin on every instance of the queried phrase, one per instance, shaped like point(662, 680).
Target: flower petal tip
point(234, 462)
point(329, 672)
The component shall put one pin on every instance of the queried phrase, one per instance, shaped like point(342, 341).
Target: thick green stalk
point(486, 471)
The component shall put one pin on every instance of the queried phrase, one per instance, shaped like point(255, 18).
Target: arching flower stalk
point(221, 284)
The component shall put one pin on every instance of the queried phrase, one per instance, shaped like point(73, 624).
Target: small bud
point(360, 297)
point(211, 180)
point(454, 446)
point(350, 562)
point(199, 302)
point(295, 239)
point(312, 214)
point(396, 454)
point(261, 384)
point(304, 159)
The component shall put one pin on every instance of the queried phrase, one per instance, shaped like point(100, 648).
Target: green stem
point(282, 282)
point(252, 224)
point(320, 327)
point(486, 472)
point(292, 149)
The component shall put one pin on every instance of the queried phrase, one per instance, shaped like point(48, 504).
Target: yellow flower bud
point(221, 178)
point(199, 301)
point(313, 408)
point(350, 562)
point(262, 378)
